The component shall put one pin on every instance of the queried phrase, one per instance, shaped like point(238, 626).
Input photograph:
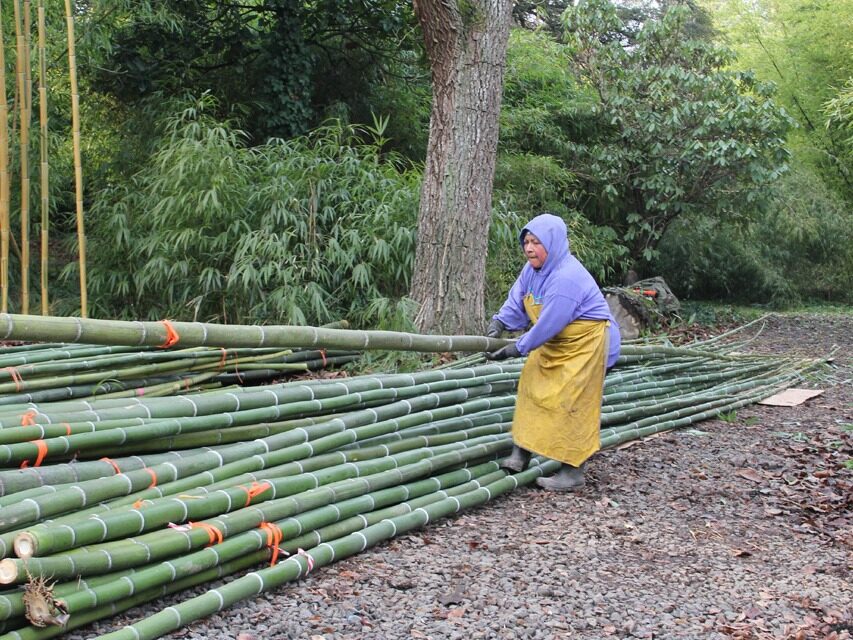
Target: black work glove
point(509, 351)
point(496, 328)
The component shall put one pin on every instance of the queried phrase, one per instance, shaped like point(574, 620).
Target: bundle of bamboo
point(210, 483)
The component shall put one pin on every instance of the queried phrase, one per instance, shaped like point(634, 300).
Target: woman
point(573, 340)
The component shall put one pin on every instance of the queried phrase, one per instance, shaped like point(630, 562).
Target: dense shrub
point(800, 248)
point(306, 230)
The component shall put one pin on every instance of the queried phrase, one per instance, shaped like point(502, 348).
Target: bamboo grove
point(210, 472)
point(18, 129)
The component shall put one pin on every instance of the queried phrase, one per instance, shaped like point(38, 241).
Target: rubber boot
point(568, 478)
point(517, 460)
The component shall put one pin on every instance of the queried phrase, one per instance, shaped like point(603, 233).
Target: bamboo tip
point(8, 571)
point(24, 545)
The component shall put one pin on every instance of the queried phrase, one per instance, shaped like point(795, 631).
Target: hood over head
point(553, 234)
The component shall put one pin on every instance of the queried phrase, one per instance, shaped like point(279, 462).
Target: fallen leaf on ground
point(750, 474)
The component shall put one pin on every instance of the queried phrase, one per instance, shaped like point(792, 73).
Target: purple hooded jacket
point(562, 285)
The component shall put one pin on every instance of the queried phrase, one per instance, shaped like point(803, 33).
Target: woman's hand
point(509, 351)
point(496, 328)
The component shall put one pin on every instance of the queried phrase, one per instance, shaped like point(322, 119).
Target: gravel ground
point(740, 528)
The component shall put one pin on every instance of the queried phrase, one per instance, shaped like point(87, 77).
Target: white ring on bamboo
point(331, 548)
point(263, 336)
point(109, 559)
point(177, 614)
point(103, 524)
point(173, 468)
point(82, 493)
point(421, 509)
point(144, 333)
point(236, 399)
point(79, 329)
point(133, 630)
point(9, 325)
point(394, 526)
point(193, 403)
point(255, 574)
point(364, 521)
point(130, 583)
point(364, 540)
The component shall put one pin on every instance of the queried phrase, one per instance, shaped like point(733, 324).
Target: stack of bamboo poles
point(124, 499)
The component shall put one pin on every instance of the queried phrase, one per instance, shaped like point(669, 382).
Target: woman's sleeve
point(558, 310)
point(512, 313)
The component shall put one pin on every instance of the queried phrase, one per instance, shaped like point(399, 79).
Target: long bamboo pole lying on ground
point(195, 334)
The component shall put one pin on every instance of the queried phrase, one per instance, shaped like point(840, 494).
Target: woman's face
point(534, 250)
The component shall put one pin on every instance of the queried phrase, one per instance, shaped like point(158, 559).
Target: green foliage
point(800, 249)
point(308, 230)
point(803, 47)
point(679, 134)
point(542, 111)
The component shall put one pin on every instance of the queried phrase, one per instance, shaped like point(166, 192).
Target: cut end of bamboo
point(24, 545)
point(8, 571)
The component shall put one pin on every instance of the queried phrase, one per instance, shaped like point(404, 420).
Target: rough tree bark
point(466, 42)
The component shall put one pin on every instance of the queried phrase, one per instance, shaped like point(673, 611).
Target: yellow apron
point(558, 410)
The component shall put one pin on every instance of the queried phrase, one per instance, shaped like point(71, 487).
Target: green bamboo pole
point(23, 109)
point(45, 167)
point(74, 330)
point(78, 164)
point(5, 178)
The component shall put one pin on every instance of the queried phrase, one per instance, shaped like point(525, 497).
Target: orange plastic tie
point(42, 453)
point(323, 355)
point(254, 489)
point(214, 535)
point(28, 419)
point(112, 462)
point(172, 336)
point(67, 428)
point(153, 477)
point(16, 377)
point(223, 358)
point(139, 504)
point(274, 536)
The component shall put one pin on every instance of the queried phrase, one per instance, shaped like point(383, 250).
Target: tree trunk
point(466, 42)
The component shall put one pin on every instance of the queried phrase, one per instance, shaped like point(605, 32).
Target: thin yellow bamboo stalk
point(78, 167)
point(20, 64)
point(45, 167)
point(4, 179)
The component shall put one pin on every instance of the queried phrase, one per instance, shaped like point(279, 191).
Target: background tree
point(680, 135)
point(466, 43)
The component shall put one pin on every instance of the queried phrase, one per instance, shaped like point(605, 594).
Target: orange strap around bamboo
point(67, 428)
point(42, 453)
point(214, 535)
point(223, 358)
point(28, 419)
point(153, 477)
point(254, 489)
point(112, 462)
point(139, 503)
point(16, 377)
point(274, 537)
point(323, 355)
point(172, 336)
